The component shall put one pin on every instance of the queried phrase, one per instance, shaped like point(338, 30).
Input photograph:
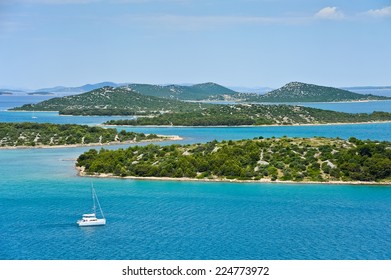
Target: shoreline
point(167, 138)
point(261, 125)
point(81, 173)
point(320, 102)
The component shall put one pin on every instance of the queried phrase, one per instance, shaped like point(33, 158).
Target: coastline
point(262, 125)
point(80, 172)
point(166, 138)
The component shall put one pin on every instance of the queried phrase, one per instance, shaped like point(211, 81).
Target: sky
point(249, 43)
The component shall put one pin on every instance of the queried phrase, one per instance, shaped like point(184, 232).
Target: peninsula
point(263, 160)
point(254, 114)
point(45, 135)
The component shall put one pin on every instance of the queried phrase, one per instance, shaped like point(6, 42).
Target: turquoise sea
point(41, 197)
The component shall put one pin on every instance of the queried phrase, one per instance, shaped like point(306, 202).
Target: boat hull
point(97, 222)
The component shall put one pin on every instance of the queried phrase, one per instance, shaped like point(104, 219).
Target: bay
point(350, 107)
point(41, 197)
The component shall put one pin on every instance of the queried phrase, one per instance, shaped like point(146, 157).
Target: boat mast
point(100, 208)
point(93, 198)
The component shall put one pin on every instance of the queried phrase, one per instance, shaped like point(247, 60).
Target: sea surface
point(41, 198)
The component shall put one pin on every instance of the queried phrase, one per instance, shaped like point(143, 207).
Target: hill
point(301, 92)
point(109, 101)
point(203, 91)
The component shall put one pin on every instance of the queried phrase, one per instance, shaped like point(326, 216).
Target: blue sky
point(235, 43)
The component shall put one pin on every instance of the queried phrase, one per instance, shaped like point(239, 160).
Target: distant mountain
point(81, 89)
point(203, 91)
point(301, 92)
point(5, 93)
point(109, 100)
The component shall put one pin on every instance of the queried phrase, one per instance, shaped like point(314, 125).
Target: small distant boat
point(34, 117)
point(91, 219)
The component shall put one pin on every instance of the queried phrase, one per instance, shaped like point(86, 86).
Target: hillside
point(254, 114)
point(301, 92)
point(109, 101)
point(203, 91)
point(284, 159)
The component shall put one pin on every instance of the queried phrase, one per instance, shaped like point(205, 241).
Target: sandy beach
point(83, 174)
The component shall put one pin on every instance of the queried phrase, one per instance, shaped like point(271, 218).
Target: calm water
point(351, 107)
point(41, 198)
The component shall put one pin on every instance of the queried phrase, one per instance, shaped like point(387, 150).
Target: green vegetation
point(254, 115)
point(110, 101)
point(285, 159)
point(36, 134)
point(203, 91)
point(301, 92)
point(169, 111)
point(101, 112)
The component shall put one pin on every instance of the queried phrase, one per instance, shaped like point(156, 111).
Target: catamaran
point(91, 219)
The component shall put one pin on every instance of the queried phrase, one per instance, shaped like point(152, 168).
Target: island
point(111, 101)
point(258, 160)
point(253, 114)
point(303, 92)
point(46, 135)
point(152, 110)
point(40, 93)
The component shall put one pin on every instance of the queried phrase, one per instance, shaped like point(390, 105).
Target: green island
point(152, 110)
point(254, 114)
point(154, 100)
point(263, 160)
point(302, 92)
point(27, 134)
point(111, 101)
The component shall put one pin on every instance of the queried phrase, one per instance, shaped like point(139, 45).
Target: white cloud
point(329, 13)
point(384, 12)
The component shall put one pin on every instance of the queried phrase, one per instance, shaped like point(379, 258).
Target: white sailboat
point(91, 219)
